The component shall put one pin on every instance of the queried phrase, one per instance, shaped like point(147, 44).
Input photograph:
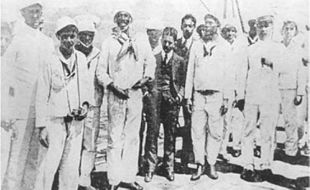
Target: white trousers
point(64, 153)
point(207, 127)
point(269, 114)
point(123, 130)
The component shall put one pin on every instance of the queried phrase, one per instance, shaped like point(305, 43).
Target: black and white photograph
point(155, 95)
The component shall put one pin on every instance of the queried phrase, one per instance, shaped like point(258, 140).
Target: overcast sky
point(171, 11)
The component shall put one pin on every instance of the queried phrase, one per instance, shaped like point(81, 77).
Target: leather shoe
point(131, 186)
point(257, 152)
point(170, 175)
point(148, 177)
point(258, 176)
point(266, 174)
point(199, 172)
point(212, 172)
point(236, 153)
point(113, 187)
point(251, 176)
point(86, 188)
point(247, 175)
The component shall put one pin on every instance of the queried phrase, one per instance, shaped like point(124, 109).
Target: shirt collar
point(22, 27)
point(64, 60)
point(169, 55)
point(157, 49)
point(188, 42)
point(93, 54)
point(253, 40)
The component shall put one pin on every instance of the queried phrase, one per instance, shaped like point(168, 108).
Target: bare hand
point(297, 100)
point(44, 137)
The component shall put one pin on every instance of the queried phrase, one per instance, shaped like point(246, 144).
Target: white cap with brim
point(88, 17)
point(154, 24)
point(123, 7)
point(63, 22)
point(26, 3)
point(86, 25)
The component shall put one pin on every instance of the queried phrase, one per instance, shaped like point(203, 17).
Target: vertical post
point(239, 13)
point(225, 9)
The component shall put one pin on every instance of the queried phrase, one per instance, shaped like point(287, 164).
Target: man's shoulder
point(197, 44)
point(108, 40)
point(158, 55)
point(80, 56)
point(179, 42)
point(177, 57)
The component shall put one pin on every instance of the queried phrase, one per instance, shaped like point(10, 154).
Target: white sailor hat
point(86, 25)
point(63, 22)
point(26, 3)
point(123, 7)
point(87, 22)
point(88, 17)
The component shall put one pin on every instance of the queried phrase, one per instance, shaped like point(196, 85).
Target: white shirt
point(169, 55)
point(188, 42)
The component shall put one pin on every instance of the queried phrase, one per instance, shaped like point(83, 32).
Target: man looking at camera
point(125, 65)
point(63, 102)
point(261, 95)
point(206, 77)
point(167, 91)
point(87, 31)
point(28, 52)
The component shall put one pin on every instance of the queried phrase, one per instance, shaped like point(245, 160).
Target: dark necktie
point(165, 58)
point(184, 43)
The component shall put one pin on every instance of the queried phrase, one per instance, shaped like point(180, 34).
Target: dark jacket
point(178, 75)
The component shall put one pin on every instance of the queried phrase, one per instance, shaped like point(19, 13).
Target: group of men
point(221, 83)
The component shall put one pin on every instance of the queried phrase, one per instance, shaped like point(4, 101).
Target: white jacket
point(59, 94)
point(125, 72)
point(28, 52)
point(292, 75)
point(94, 89)
point(262, 83)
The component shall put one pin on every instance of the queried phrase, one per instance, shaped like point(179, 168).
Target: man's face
point(230, 34)
point(86, 37)
point(210, 29)
point(264, 29)
point(289, 30)
point(32, 15)
point(252, 25)
point(153, 35)
point(123, 19)
point(67, 39)
point(167, 43)
point(188, 27)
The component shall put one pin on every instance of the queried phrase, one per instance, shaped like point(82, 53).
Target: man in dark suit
point(183, 47)
point(167, 93)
